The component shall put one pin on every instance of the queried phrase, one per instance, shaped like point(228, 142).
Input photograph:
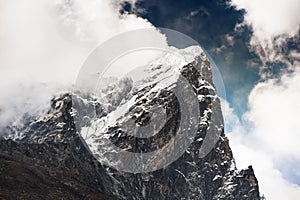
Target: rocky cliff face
point(60, 154)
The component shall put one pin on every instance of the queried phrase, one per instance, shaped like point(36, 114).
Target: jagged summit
point(64, 151)
point(177, 81)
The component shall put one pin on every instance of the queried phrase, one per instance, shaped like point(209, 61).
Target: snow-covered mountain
point(156, 133)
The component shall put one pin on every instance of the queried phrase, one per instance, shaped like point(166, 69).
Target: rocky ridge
point(55, 157)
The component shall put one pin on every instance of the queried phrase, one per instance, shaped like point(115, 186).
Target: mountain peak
point(156, 137)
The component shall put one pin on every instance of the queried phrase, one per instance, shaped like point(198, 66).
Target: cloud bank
point(272, 22)
point(271, 18)
point(44, 43)
point(268, 135)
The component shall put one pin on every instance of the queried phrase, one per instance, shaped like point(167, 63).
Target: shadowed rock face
point(52, 161)
point(41, 172)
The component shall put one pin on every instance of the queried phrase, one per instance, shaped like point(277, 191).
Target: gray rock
point(52, 159)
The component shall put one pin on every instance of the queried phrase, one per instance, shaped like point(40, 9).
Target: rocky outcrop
point(53, 159)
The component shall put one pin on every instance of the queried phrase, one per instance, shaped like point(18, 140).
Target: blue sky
point(212, 24)
point(255, 44)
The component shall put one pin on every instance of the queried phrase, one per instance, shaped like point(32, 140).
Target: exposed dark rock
point(52, 161)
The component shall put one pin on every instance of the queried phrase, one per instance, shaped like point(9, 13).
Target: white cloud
point(52, 38)
point(295, 55)
point(230, 39)
point(271, 18)
point(269, 134)
point(45, 42)
point(272, 23)
point(274, 110)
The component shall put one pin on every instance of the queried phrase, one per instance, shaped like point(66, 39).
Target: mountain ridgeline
point(59, 155)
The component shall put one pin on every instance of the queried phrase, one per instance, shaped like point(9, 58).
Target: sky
point(255, 44)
